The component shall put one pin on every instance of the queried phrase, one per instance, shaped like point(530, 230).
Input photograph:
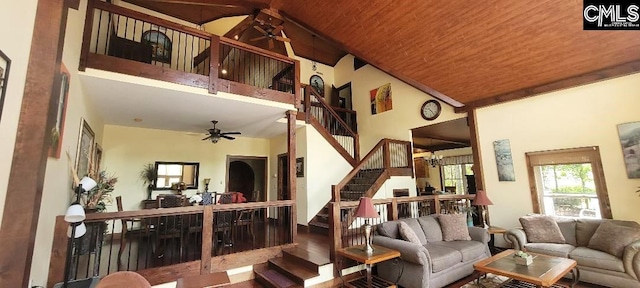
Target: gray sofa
point(433, 262)
point(595, 266)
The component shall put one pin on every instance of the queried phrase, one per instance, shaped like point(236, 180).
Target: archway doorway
point(248, 175)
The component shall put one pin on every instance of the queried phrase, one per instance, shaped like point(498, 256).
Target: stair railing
point(394, 156)
point(327, 121)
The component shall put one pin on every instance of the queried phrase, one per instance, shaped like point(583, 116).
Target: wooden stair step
point(272, 278)
point(292, 270)
point(306, 258)
point(208, 280)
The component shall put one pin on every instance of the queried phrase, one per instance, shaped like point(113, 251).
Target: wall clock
point(318, 84)
point(430, 110)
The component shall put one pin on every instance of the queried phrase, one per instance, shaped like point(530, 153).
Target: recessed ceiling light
point(235, 37)
point(137, 120)
point(224, 71)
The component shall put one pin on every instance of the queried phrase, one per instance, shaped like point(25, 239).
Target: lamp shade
point(366, 209)
point(80, 230)
point(88, 183)
point(207, 181)
point(75, 213)
point(481, 199)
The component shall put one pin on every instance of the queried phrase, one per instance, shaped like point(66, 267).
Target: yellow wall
point(57, 194)
point(17, 50)
point(128, 149)
point(578, 117)
point(223, 25)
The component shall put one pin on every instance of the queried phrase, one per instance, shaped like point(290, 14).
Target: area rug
point(495, 281)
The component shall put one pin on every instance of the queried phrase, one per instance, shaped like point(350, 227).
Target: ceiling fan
point(215, 134)
point(270, 33)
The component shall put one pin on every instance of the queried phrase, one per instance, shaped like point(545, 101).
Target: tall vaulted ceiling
point(463, 52)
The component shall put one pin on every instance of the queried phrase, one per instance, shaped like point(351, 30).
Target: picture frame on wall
point(629, 134)
point(300, 167)
point(84, 153)
point(57, 132)
point(504, 160)
point(97, 159)
point(5, 64)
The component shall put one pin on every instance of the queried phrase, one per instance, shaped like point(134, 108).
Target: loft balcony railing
point(130, 42)
point(170, 243)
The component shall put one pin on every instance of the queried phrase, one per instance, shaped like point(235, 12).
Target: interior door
point(283, 178)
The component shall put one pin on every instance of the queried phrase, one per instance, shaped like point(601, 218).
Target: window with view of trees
point(568, 183)
point(454, 176)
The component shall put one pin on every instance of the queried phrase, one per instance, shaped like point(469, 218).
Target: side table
point(380, 254)
point(492, 231)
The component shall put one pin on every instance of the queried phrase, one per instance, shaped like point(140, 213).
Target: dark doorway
point(247, 175)
point(283, 178)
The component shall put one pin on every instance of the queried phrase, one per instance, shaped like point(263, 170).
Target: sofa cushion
point(541, 229)
point(413, 224)
point(585, 228)
point(596, 259)
point(469, 250)
point(454, 227)
point(613, 238)
point(407, 233)
point(568, 228)
point(431, 228)
point(388, 229)
point(442, 257)
point(553, 249)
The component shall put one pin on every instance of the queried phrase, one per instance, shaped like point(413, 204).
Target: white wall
point(17, 50)
point(394, 124)
point(128, 149)
point(57, 194)
point(583, 116)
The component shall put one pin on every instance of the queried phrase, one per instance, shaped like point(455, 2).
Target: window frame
point(569, 156)
point(196, 172)
point(463, 178)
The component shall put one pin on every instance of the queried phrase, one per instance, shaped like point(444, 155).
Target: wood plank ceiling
point(470, 51)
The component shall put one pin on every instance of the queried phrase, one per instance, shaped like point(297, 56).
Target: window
point(161, 45)
point(453, 177)
point(568, 183)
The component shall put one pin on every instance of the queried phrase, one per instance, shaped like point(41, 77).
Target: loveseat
point(606, 251)
point(432, 262)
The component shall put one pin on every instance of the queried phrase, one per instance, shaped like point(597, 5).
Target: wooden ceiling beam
point(439, 147)
point(583, 79)
point(397, 74)
point(445, 139)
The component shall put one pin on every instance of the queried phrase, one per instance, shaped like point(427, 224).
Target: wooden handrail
point(256, 50)
point(332, 112)
point(147, 213)
point(355, 170)
point(148, 18)
point(399, 200)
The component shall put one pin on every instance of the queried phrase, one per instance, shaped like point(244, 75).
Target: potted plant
point(470, 211)
point(96, 199)
point(522, 258)
point(148, 175)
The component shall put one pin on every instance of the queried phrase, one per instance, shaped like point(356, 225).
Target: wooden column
point(214, 60)
point(335, 230)
point(58, 252)
point(207, 239)
point(37, 115)
point(477, 156)
point(291, 162)
point(297, 87)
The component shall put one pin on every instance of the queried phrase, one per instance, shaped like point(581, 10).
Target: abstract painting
point(629, 134)
point(504, 161)
point(381, 99)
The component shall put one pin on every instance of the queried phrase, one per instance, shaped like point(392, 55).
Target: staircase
point(296, 268)
point(388, 158)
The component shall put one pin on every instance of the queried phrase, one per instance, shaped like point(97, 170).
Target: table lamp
point(482, 200)
point(206, 184)
point(366, 211)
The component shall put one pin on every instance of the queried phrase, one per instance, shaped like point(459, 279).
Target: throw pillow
point(407, 233)
point(454, 227)
point(541, 229)
point(613, 238)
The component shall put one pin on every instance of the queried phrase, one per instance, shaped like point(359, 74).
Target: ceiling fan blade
point(282, 39)
point(260, 29)
point(258, 38)
point(230, 133)
point(270, 43)
point(206, 138)
point(227, 137)
point(277, 30)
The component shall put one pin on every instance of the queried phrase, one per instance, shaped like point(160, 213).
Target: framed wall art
point(381, 99)
point(97, 159)
point(5, 64)
point(504, 160)
point(629, 134)
point(57, 132)
point(300, 167)
point(84, 154)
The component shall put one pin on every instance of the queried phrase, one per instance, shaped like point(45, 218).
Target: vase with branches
point(148, 176)
point(99, 197)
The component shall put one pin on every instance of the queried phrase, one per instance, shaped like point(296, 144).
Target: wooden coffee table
point(543, 272)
